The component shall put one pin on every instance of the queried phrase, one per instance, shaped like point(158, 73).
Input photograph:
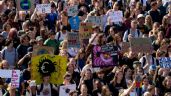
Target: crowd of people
point(136, 74)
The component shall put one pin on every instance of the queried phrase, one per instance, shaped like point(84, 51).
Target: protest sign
point(125, 47)
point(165, 62)
point(15, 80)
point(104, 56)
point(25, 5)
point(73, 40)
point(72, 10)
point(43, 8)
point(141, 45)
point(116, 16)
point(65, 89)
point(39, 50)
point(5, 73)
point(13, 74)
point(48, 64)
point(97, 20)
point(74, 22)
point(85, 30)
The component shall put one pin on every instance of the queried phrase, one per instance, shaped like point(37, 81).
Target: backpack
point(53, 92)
point(59, 35)
point(129, 33)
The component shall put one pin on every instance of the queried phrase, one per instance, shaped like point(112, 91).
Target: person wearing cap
point(39, 41)
point(141, 20)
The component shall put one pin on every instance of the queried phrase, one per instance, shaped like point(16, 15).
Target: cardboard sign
point(37, 50)
point(125, 47)
point(48, 64)
point(5, 73)
point(97, 20)
point(43, 8)
point(15, 80)
point(165, 62)
point(13, 74)
point(73, 40)
point(65, 89)
point(116, 16)
point(105, 56)
point(85, 30)
point(72, 10)
point(141, 45)
point(74, 22)
point(25, 5)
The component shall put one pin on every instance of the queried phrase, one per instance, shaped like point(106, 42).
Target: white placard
point(15, 80)
point(72, 10)
point(116, 16)
point(5, 73)
point(43, 8)
point(97, 20)
point(64, 90)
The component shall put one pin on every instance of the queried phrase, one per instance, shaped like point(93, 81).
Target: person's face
point(112, 32)
point(115, 7)
point(46, 79)
point(8, 27)
point(40, 42)
point(129, 72)
point(75, 94)
point(83, 89)
point(120, 75)
point(5, 65)
point(141, 20)
point(11, 45)
point(140, 72)
point(134, 24)
point(1, 39)
point(68, 78)
point(145, 82)
point(70, 67)
point(147, 19)
point(101, 75)
point(26, 40)
point(160, 36)
point(168, 83)
point(88, 74)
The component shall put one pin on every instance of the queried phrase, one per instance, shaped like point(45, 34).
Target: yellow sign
point(48, 64)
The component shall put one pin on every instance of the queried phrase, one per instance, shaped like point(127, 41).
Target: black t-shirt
point(128, 61)
point(115, 89)
point(156, 16)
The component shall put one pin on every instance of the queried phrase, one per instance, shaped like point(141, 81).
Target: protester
point(125, 52)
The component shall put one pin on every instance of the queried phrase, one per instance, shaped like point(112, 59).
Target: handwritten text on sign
point(165, 62)
point(13, 74)
point(72, 10)
point(15, 81)
point(116, 16)
point(85, 30)
point(43, 8)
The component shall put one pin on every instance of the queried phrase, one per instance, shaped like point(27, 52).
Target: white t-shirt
point(46, 91)
point(60, 36)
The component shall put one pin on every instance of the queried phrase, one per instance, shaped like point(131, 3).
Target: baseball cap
point(140, 16)
point(32, 83)
point(39, 38)
point(152, 67)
